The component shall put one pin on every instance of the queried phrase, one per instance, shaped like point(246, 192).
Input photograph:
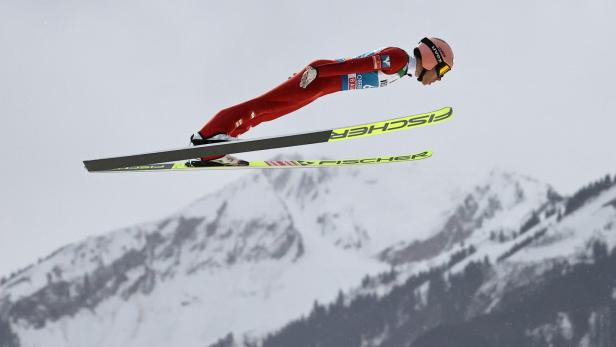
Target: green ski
point(281, 164)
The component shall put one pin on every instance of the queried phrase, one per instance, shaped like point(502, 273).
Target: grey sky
point(532, 90)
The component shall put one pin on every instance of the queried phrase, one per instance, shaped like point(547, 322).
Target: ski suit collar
point(410, 67)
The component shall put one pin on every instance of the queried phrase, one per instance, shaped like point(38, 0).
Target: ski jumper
point(371, 70)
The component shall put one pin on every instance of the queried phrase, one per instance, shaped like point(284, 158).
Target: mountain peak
point(267, 237)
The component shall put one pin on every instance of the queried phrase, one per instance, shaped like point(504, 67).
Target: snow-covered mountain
point(546, 280)
point(258, 253)
point(500, 205)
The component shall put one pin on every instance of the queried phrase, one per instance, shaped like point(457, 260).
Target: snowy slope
point(252, 256)
point(571, 236)
point(535, 269)
point(555, 240)
point(368, 208)
point(498, 206)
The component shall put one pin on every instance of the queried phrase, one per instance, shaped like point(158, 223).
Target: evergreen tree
point(531, 222)
point(599, 251)
point(7, 337)
point(588, 192)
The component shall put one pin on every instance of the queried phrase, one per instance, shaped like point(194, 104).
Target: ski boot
point(218, 160)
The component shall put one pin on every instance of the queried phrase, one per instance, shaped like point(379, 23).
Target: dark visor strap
point(433, 48)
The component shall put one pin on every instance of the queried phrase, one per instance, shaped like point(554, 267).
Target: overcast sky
point(532, 90)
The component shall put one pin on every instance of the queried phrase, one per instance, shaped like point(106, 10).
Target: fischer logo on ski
point(375, 160)
point(391, 125)
point(281, 164)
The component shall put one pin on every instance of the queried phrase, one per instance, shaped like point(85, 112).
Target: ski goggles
point(441, 67)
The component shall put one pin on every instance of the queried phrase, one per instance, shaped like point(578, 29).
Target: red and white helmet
point(435, 53)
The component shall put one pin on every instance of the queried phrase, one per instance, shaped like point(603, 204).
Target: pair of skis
point(170, 158)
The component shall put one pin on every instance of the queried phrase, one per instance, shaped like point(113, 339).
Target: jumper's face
point(429, 77)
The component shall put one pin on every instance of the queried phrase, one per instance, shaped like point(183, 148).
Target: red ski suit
point(289, 96)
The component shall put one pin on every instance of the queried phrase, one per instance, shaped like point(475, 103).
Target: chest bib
point(372, 79)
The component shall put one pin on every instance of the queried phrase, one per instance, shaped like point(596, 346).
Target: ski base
point(281, 164)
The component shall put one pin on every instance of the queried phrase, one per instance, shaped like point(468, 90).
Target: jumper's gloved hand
point(308, 76)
